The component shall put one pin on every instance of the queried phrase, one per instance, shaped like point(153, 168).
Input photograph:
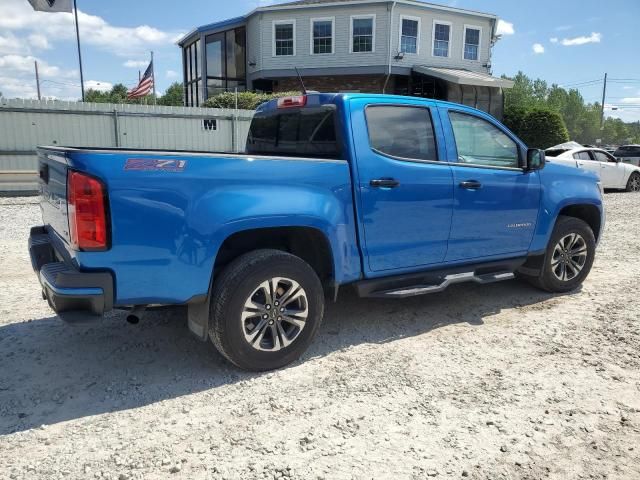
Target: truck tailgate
point(52, 168)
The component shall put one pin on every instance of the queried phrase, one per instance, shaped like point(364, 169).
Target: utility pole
point(75, 9)
point(38, 80)
point(604, 96)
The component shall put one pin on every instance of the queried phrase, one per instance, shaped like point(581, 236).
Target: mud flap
point(198, 319)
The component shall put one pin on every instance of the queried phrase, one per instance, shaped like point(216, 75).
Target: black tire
point(633, 184)
point(547, 280)
point(235, 286)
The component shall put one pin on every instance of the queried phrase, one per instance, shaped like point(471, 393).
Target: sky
point(568, 42)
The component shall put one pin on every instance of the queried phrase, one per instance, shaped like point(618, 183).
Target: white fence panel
point(26, 124)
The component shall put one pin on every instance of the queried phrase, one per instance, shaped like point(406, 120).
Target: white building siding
point(254, 44)
point(341, 56)
point(456, 46)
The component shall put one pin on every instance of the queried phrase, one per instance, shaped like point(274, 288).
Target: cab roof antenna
point(304, 89)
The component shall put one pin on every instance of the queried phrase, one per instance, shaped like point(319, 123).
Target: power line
point(568, 84)
point(581, 84)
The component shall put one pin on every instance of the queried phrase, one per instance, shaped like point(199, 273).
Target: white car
point(613, 173)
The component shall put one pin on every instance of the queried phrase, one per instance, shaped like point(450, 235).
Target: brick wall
point(338, 83)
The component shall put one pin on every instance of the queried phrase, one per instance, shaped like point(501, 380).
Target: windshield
point(555, 152)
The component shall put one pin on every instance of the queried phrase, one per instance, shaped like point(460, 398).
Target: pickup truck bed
point(168, 225)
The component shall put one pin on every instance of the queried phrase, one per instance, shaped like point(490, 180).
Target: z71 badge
point(155, 165)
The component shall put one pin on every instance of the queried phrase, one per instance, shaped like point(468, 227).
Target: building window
point(226, 61)
point(284, 33)
point(409, 34)
point(471, 42)
point(441, 38)
point(363, 32)
point(322, 35)
point(192, 75)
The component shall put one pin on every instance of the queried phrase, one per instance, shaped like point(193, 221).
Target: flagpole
point(75, 9)
point(153, 75)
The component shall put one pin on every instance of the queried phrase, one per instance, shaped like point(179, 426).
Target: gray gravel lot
point(481, 382)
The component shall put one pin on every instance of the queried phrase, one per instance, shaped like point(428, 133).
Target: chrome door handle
point(471, 185)
point(384, 183)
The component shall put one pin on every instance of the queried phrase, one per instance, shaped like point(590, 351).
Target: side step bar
point(433, 281)
point(448, 280)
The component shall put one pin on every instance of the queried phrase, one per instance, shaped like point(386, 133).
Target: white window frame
point(415, 19)
point(373, 32)
point(464, 41)
point(273, 37)
point(333, 34)
point(433, 38)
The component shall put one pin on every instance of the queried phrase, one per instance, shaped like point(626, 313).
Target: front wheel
point(633, 185)
point(266, 308)
point(569, 256)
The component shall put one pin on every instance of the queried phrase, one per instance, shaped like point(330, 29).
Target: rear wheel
point(569, 256)
point(267, 306)
point(633, 185)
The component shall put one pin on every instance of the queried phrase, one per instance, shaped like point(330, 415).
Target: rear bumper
point(74, 295)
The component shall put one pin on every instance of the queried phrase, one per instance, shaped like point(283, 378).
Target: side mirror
point(535, 159)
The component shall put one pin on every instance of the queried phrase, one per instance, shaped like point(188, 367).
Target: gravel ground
point(481, 382)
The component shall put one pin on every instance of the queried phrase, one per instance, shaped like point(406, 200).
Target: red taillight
point(87, 212)
point(291, 102)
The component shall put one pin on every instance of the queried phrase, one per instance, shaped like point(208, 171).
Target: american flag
point(145, 86)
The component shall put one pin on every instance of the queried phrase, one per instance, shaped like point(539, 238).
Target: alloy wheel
point(275, 314)
point(569, 257)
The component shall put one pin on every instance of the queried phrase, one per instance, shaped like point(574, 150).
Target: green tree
point(521, 94)
point(174, 95)
point(557, 98)
point(573, 112)
point(582, 119)
point(538, 127)
point(117, 94)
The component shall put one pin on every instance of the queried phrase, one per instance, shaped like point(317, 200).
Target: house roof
point(210, 27)
point(318, 3)
point(301, 4)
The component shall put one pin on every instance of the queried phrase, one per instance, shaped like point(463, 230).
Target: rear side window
point(401, 132)
point(479, 142)
point(602, 157)
point(307, 132)
point(582, 156)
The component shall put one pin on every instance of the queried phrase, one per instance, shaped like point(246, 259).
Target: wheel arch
point(588, 213)
point(308, 243)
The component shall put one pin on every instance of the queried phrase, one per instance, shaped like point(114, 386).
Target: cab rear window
point(305, 132)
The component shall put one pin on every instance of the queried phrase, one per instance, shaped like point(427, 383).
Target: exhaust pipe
point(135, 314)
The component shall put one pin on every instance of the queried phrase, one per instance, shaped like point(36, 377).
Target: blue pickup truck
point(393, 196)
